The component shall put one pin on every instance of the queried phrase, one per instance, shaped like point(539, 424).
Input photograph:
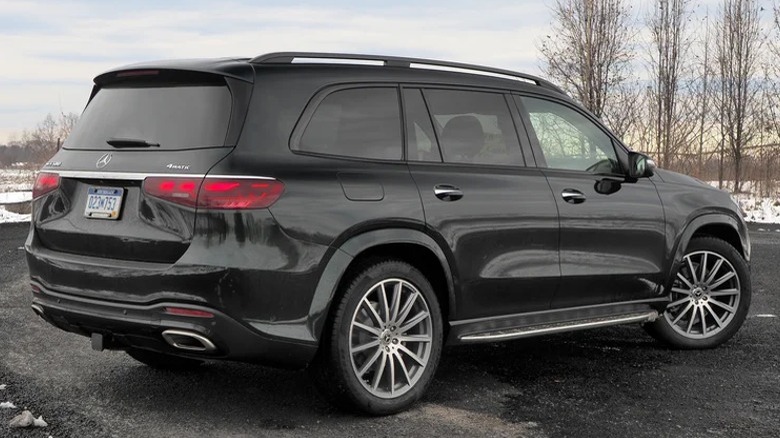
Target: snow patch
point(760, 210)
point(15, 197)
point(3, 386)
point(11, 217)
point(26, 419)
point(755, 208)
point(7, 405)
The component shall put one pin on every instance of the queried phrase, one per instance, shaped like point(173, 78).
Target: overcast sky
point(51, 50)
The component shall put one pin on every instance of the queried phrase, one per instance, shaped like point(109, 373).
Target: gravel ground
point(607, 382)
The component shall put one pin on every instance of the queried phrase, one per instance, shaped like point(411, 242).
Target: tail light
point(216, 193)
point(239, 194)
point(182, 191)
point(44, 183)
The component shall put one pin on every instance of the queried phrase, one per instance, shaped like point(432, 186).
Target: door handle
point(573, 196)
point(447, 192)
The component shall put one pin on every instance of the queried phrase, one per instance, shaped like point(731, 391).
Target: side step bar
point(537, 330)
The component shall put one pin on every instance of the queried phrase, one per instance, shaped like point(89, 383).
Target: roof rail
point(395, 61)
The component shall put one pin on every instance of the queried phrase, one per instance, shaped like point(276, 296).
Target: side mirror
point(640, 165)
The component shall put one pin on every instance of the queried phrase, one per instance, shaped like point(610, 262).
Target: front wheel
point(710, 297)
point(385, 340)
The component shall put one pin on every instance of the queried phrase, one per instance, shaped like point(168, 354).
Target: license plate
point(104, 203)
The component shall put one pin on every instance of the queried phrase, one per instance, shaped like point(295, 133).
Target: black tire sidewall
point(357, 395)
point(662, 329)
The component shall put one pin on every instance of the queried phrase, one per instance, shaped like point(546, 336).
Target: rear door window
point(357, 122)
point(174, 117)
point(474, 127)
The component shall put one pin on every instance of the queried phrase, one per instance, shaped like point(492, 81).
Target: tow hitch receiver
point(97, 341)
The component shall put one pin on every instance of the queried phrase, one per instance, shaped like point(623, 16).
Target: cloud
point(51, 50)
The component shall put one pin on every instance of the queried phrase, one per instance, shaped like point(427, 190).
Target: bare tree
point(703, 95)
point(589, 50)
point(624, 110)
point(66, 123)
point(668, 51)
point(46, 138)
point(772, 75)
point(43, 139)
point(738, 43)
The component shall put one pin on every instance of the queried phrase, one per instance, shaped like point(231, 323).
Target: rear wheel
point(384, 342)
point(163, 361)
point(710, 297)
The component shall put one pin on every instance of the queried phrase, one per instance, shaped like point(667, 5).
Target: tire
point(395, 347)
point(705, 310)
point(162, 361)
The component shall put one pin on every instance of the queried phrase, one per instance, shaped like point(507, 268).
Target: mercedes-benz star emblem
point(103, 161)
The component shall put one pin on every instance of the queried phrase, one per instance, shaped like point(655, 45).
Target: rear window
point(175, 117)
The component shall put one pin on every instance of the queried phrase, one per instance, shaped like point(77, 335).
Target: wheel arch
point(409, 245)
point(719, 225)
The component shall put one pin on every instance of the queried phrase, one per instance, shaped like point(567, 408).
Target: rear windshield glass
point(175, 117)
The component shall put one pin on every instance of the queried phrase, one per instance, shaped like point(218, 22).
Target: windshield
point(173, 117)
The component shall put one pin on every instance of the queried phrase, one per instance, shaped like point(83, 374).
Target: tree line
point(37, 145)
point(697, 90)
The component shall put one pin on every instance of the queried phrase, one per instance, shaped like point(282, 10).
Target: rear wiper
point(131, 143)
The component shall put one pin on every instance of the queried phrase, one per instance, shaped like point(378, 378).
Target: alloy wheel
point(705, 295)
point(390, 338)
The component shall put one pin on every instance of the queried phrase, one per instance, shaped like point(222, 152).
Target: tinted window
point(569, 140)
point(175, 117)
point(363, 123)
point(420, 138)
point(474, 127)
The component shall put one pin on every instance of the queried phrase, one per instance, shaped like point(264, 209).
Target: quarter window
point(360, 122)
point(474, 127)
point(569, 140)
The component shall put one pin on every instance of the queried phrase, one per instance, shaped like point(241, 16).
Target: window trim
point(314, 103)
point(541, 162)
point(407, 127)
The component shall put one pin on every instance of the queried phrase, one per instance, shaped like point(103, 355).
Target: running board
point(546, 329)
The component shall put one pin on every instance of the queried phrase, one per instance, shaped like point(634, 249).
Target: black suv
point(355, 213)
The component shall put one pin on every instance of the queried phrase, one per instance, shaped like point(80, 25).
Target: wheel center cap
point(386, 337)
point(697, 293)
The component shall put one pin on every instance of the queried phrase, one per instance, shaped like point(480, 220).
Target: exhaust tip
point(188, 341)
point(38, 310)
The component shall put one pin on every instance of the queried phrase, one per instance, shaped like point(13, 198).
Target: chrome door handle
point(573, 196)
point(447, 192)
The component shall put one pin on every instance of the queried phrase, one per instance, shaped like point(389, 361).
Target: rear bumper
point(124, 326)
